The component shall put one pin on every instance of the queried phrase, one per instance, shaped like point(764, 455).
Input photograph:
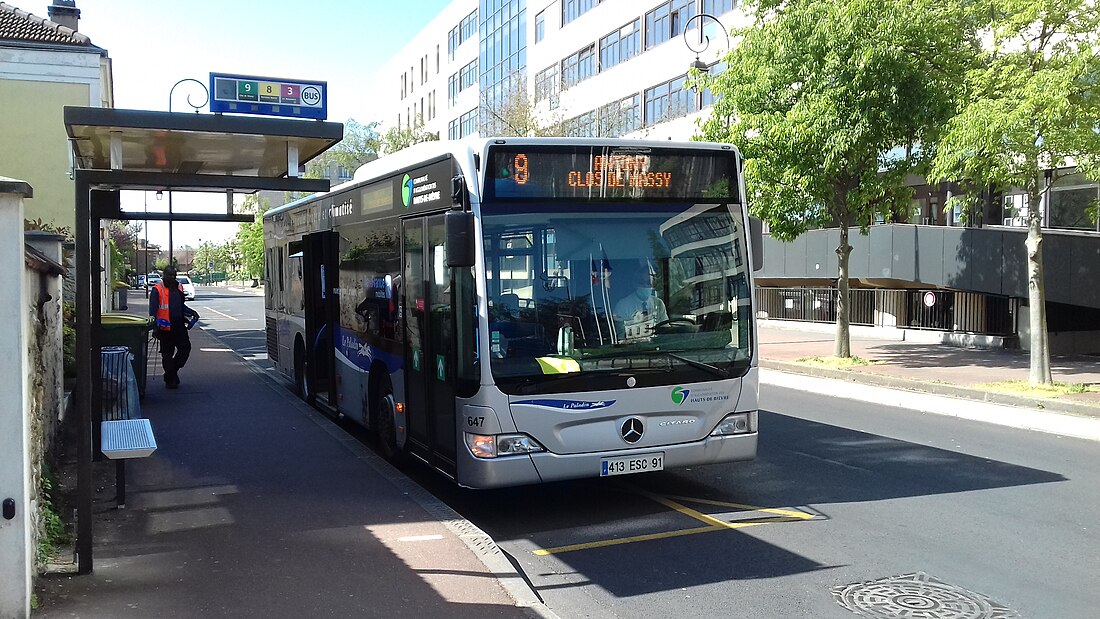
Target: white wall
point(69, 67)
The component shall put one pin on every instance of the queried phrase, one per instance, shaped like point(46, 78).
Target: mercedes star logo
point(632, 430)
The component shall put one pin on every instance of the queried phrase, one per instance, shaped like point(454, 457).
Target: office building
point(618, 68)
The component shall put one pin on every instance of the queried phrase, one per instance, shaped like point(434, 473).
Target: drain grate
point(917, 596)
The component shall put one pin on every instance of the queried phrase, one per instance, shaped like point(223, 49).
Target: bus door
point(321, 279)
point(429, 334)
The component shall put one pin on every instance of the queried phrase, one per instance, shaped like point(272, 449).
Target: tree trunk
point(1036, 292)
point(842, 346)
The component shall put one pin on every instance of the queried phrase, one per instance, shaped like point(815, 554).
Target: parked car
point(140, 281)
point(152, 279)
point(188, 287)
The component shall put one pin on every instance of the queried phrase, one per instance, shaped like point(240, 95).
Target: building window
point(667, 21)
point(578, 67)
point(464, 30)
point(621, 117)
point(466, 77)
point(572, 9)
point(463, 126)
point(583, 126)
point(437, 60)
point(667, 101)
point(1069, 207)
point(540, 26)
point(621, 45)
point(708, 98)
point(546, 86)
point(717, 7)
point(503, 57)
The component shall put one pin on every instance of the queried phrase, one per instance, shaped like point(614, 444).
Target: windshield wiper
point(713, 369)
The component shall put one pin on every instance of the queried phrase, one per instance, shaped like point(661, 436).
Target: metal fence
point(814, 304)
point(943, 310)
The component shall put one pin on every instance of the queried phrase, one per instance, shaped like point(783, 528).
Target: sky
point(155, 43)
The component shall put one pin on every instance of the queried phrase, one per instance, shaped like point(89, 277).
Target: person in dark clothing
point(173, 319)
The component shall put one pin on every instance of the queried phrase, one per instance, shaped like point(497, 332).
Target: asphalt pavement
point(256, 505)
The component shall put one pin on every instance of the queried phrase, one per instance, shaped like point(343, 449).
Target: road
point(978, 520)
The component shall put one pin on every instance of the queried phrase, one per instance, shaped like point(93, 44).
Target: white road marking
point(419, 538)
point(217, 312)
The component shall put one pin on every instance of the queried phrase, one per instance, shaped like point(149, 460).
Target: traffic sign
point(268, 96)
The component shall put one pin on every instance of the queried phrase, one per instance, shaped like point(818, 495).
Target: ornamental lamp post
point(704, 40)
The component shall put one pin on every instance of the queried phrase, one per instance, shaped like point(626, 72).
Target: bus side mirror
point(460, 238)
point(756, 238)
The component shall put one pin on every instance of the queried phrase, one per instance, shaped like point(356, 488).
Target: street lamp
point(704, 40)
point(206, 99)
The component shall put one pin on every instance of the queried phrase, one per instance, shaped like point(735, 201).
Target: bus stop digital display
point(602, 173)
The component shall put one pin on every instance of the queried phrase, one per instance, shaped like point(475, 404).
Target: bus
point(515, 311)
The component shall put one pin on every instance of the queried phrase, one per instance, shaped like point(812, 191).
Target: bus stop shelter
point(115, 150)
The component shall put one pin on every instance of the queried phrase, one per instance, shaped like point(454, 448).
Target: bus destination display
point(589, 173)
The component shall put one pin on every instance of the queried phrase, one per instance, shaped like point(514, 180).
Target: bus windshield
point(585, 294)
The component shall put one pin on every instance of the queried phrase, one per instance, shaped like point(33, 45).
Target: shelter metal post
point(84, 381)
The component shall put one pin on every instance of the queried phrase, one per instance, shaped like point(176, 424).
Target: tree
point(829, 101)
point(360, 144)
point(250, 236)
point(511, 111)
point(399, 139)
point(1031, 111)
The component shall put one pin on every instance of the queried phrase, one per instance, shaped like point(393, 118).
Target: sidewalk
point(930, 368)
point(255, 505)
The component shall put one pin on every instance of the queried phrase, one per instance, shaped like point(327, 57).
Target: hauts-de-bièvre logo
point(406, 190)
point(680, 395)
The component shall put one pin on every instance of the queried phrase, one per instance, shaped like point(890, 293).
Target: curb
point(954, 391)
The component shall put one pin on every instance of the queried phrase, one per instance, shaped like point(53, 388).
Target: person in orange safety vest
point(173, 319)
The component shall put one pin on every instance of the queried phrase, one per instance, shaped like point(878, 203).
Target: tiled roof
point(24, 27)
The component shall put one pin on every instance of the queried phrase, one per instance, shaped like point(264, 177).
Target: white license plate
point(625, 465)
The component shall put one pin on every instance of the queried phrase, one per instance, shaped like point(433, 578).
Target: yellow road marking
point(218, 313)
point(713, 524)
point(798, 515)
point(625, 540)
point(687, 511)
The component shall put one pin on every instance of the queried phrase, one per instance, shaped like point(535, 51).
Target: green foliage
point(400, 139)
point(359, 145)
point(119, 265)
point(1032, 102)
point(829, 101)
point(43, 226)
point(52, 532)
point(249, 242)
point(68, 339)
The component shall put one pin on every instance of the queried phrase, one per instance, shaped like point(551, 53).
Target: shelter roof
point(138, 149)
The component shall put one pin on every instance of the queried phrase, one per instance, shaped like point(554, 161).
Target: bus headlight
point(491, 446)
point(736, 423)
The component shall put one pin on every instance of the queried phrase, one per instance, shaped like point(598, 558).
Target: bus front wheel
point(301, 379)
point(385, 424)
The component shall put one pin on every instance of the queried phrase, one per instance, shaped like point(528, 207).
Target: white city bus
point(522, 310)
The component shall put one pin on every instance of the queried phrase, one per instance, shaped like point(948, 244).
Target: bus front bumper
point(545, 466)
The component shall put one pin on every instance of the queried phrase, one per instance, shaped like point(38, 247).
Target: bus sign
point(267, 96)
point(601, 173)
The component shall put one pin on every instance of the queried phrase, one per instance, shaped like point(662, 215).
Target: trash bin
point(121, 290)
point(132, 332)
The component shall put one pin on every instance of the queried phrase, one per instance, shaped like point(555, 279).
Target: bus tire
point(301, 379)
point(385, 427)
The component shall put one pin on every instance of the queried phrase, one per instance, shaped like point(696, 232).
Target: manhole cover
point(917, 596)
